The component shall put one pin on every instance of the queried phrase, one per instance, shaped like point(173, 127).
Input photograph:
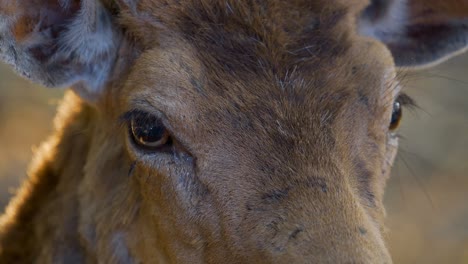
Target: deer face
point(229, 131)
point(261, 151)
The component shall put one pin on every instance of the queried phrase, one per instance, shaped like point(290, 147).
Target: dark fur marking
point(132, 168)
point(362, 230)
point(275, 196)
point(317, 182)
point(364, 177)
point(295, 233)
point(198, 86)
point(363, 98)
point(194, 187)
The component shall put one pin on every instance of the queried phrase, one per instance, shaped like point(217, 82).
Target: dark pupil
point(148, 130)
point(396, 115)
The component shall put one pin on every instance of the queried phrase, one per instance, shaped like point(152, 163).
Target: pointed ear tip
point(430, 52)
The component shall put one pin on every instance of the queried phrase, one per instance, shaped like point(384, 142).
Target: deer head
point(216, 131)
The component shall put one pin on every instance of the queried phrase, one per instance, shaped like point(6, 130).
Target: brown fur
point(280, 114)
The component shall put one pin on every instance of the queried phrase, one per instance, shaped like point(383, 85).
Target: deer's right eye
point(149, 132)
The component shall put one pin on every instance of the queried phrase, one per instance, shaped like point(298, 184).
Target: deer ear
point(59, 43)
point(418, 32)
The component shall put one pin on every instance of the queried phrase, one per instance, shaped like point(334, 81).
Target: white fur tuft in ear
point(93, 41)
point(383, 27)
point(69, 44)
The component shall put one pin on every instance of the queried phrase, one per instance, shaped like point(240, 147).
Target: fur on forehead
point(76, 43)
point(144, 15)
point(276, 34)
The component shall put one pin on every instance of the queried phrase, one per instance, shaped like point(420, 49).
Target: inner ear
point(59, 43)
point(418, 32)
point(377, 9)
point(49, 17)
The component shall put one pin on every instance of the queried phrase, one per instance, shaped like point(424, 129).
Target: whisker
point(398, 176)
point(418, 181)
point(449, 78)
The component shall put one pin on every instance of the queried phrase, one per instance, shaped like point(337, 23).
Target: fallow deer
point(217, 131)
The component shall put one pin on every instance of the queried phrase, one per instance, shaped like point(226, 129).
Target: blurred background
point(426, 198)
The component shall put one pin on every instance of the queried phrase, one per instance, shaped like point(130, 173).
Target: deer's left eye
point(397, 114)
point(149, 132)
point(403, 100)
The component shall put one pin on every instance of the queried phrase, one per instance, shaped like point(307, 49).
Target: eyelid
point(129, 115)
point(126, 117)
point(406, 101)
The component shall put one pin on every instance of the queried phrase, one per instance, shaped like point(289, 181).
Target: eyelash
point(125, 118)
point(406, 101)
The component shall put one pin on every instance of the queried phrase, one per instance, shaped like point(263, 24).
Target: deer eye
point(397, 114)
point(149, 132)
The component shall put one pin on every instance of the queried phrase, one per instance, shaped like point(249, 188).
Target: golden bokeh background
point(426, 198)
